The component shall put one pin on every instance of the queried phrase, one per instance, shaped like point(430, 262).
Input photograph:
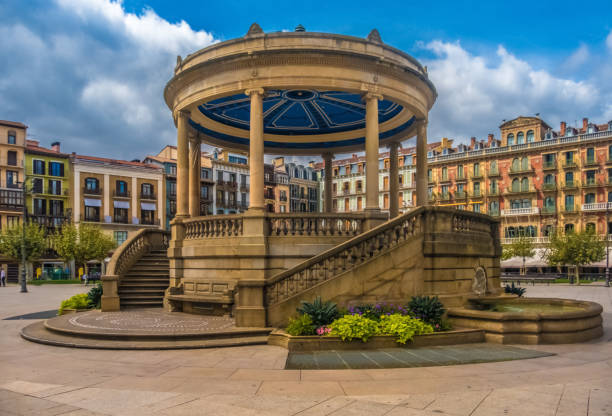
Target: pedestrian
point(2, 277)
point(85, 278)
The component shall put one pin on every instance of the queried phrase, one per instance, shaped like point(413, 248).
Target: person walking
point(2, 277)
point(85, 277)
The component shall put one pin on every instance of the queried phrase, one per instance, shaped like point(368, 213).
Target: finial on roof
point(179, 63)
point(374, 36)
point(254, 29)
point(299, 28)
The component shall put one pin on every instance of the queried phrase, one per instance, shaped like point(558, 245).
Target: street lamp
point(22, 280)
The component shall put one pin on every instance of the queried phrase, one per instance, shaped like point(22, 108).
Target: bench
point(528, 279)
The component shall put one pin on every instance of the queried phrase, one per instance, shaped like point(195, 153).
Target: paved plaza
point(37, 379)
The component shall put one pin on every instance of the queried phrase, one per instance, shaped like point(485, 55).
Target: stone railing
point(214, 226)
point(315, 224)
point(124, 257)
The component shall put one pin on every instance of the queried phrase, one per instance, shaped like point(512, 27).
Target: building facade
point(120, 196)
point(303, 187)
point(231, 178)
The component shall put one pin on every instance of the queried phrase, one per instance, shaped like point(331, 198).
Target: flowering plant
point(323, 330)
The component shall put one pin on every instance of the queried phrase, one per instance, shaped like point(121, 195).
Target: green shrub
point(376, 311)
point(404, 328)
point(321, 313)
point(426, 308)
point(95, 296)
point(515, 290)
point(302, 325)
point(351, 327)
point(76, 302)
point(445, 325)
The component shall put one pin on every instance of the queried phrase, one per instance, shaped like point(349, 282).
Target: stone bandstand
point(305, 93)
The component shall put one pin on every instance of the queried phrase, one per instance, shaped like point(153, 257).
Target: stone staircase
point(143, 285)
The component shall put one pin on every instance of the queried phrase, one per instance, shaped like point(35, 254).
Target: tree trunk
point(577, 276)
point(524, 270)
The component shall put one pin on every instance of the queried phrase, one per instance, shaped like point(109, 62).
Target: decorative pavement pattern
point(413, 357)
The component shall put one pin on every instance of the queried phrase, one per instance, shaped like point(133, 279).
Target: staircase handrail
point(134, 247)
point(357, 250)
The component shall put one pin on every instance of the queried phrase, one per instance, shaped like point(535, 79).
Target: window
point(493, 167)
point(55, 187)
point(120, 215)
point(549, 203)
point(204, 192)
point(243, 181)
point(56, 169)
point(359, 186)
point(92, 213)
point(147, 216)
point(121, 188)
point(220, 196)
point(204, 173)
point(515, 164)
point(11, 158)
point(172, 170)
point(494, 208)
point(516, 185)
point(91, 184)
point(476, 169)
point(40, 206)
point(460, 172)
point(146, 190)
point(549, 179)
point(11, 179)
point(171, 189)
point(37, 185)
point(589, 198)
point(569, 178)
point(520, 138)
point(590, 177)
point(56, 208)
point(38, 167)
point(610, 153)
point(12, 137)
point(525, 184)
point(569, 158)
point(444, 173)
point(493, 186)
point(569, 203)
point(120, 237)
point(476, 207)
point(609, 196)
point(429, 175)
point(569, 228)
point(590, 227)
point(510, 139)
point(477, 189)
point(172, 207)
point(525, 163)
point(530, 136)
point(531, 231)
point(590, 155)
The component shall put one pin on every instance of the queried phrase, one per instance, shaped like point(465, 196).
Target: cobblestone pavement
point(43, 380)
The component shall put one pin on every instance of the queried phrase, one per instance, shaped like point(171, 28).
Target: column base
point(250, 316)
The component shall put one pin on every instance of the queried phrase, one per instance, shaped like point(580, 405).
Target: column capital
point(251, 91)
point(393, 144)
point(327, 156)
point(184, 113)
point(193, 137)
point(422, 122)
point(372, 96)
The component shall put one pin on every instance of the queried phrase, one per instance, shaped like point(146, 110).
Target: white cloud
point(609, 41)
point(578, 58)
point(475, 94)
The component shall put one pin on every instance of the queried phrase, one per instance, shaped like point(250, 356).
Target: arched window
point(515, 203)
point(589, 198)
point(530, 137)
point(510, 139)
point(444, 173)
point(524, 184)
point(569, 178)
point(146, 190)
point(524, 163)
point(493, 166)
point(296, 173)
point(516, 185)
point(590, 227)
point(549, 202)
point(520, 138)
point(515, 164)
point(92, 185)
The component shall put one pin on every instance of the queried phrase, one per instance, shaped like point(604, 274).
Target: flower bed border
point(322, 343)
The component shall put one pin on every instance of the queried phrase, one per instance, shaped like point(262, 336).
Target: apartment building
point(276, 186)
point(120, 196)
point(535, 179)
point(12, 161)
point(231, 176)
point(303, 187)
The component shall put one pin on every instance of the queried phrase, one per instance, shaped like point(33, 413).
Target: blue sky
point(91, 72)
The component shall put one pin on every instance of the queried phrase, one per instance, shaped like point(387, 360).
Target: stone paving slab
point(406, 358)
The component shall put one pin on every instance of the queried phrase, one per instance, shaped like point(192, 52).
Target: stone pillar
point(393, 180)
point(182, 165)
point(421, 168)
point(135, 191)
point(327, 202)
point(195, 156)
point(256, 150)
point(372, 151)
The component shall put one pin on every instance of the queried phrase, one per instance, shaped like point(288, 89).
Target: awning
point(516, 262)
point(121, 204)
point(93, 202)
point(148, 206)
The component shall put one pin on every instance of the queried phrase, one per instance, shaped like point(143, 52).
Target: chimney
point(55, 146)
point(31, 142)
point(585, 124)
point(490, 139)
point(562, 129)
point(472, 142)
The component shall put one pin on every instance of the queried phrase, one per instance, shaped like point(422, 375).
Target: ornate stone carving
point(179, 63)
point(254, 30)
point(374, 36)
point(479, 284)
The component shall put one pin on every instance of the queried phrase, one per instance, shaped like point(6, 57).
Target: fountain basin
point(508, 320)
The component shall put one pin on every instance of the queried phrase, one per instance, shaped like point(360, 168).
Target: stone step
point(143, 290)
point(129, 303)
point(146, 275)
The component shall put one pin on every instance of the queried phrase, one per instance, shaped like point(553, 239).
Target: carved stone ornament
point(179, 63)
point(479, 285)
point(254, 29)
point(374, 36)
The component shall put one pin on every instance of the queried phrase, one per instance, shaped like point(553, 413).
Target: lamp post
point(24, 287)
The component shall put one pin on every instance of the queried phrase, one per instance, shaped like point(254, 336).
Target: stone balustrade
point(214, 226)
point(315, 224)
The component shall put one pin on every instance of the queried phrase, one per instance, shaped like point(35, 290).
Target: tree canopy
point(83, 243)
point(520, 247)
point(11, 239)
point(575, 249)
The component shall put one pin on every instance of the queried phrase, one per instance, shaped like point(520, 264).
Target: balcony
point(477, 175)
point(598, 206)
point(244, 187)
point(568, 209)
point(569, 164)
point(148, 195)
point(568, 186)
point(460, 178)
point(121, 194)
point(520, 211)
point(92, 191)
point(494, 212)
point(588, 162)
point(549, 165)
point(48, 221)
point(121, 219)
point(476, 194)
point(522, 190)
point(591, 183)
point(493, 192)
point(90, 218)
point(445, 196)
point(549, 187)
point(534, 240)
point(521, 170)
point(269, 195)
point(493, 173)
point(548, 211)
point(149, 221)
point(460, 195)
point(445, 179)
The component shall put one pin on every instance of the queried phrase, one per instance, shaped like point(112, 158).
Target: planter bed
point(322, 343)
point(66, 311)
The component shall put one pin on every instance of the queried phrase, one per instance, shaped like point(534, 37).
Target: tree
point(520, 247)
point(575, 249)
point(11, 240)
point(83, 243)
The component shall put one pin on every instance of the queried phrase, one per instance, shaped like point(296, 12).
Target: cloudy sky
point(91, 72)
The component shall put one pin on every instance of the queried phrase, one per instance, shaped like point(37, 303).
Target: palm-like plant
point(321, 313)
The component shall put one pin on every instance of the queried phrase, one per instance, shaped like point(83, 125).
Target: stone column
point(372, 151)
point(195, 156)
point(182, 165)
point(393, 180)
point(421, 153)
point(327, 202)
point(256, 150)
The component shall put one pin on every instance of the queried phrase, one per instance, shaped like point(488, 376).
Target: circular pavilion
point(299, 93)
